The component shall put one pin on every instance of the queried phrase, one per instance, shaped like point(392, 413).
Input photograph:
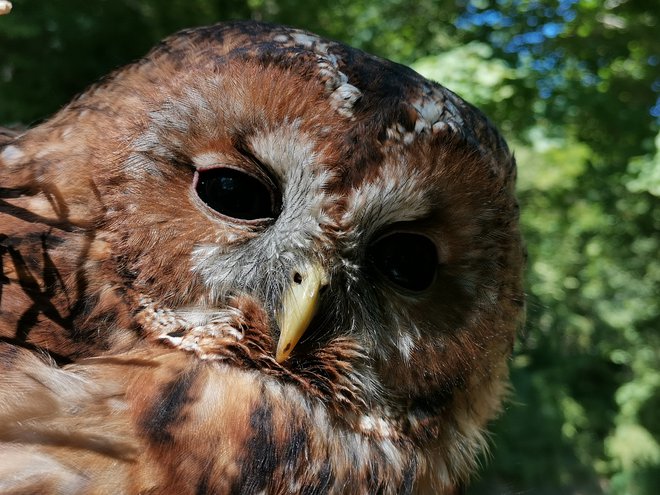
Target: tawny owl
point(258, 262)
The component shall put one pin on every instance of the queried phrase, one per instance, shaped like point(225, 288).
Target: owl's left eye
point(408, 260)
point(235, 194)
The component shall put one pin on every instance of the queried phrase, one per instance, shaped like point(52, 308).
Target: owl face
point(323, 219)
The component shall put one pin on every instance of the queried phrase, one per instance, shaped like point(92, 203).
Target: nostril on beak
point(297, 278)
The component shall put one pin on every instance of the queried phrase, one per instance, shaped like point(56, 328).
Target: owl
point(255, 261)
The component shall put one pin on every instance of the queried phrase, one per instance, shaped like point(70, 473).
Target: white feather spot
point(309, 41)
point(376, 425)
point(439, 127)
point(45, 151)
point(429, 110)
point(67, 133)
point(11, 155)
point(207, 160)
point(406, 346)
point(344, 97)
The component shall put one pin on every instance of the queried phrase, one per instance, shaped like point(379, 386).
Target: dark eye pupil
point(406, 259)
point(235, 194)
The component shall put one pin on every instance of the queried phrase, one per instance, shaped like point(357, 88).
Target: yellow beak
point(299, 305)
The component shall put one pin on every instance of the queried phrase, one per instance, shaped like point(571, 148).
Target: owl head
point(287, 206)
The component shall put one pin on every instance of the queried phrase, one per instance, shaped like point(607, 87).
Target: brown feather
point(138, 325)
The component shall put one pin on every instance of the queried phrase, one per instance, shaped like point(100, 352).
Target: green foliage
point(645, 172)
point(52, 50)
point(471, 71)
point(572, 83)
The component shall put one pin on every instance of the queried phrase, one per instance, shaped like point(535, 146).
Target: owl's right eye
point(235, 194)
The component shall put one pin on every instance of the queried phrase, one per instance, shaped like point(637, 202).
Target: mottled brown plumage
point(141, 310)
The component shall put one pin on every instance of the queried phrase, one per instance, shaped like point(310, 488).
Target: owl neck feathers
point(240, 338)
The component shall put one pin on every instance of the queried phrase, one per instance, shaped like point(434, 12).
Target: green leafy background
point(574, 85)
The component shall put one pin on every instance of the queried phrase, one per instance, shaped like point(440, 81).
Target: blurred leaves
point(575, 86)
point(645, 172)
point(471, 71)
